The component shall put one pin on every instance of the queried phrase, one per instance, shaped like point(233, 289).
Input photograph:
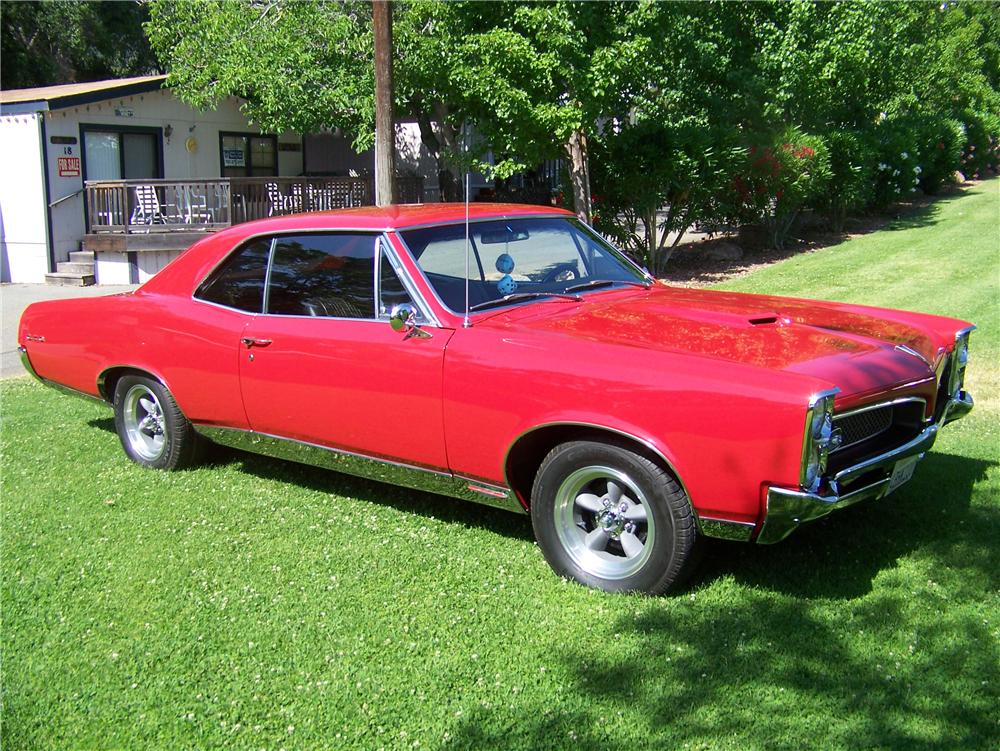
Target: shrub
point(981, 151)
point(784, 175)
point(853, 158)
point(897, 173)
point(916, 151)
point(940, 141)
point(651, 182)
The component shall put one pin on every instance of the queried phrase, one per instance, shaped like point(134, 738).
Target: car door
point(322, 365)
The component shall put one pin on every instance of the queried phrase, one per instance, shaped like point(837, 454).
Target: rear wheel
point(612, 519)
point(152, 428)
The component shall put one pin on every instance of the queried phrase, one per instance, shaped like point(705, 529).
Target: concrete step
point(74, 267)
point(81, 256)
point(70, 279)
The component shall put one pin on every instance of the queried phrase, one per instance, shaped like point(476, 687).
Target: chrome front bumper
point(787, 509)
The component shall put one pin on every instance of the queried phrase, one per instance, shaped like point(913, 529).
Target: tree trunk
point(385, 128)
point(449, 184)
point(579, 173)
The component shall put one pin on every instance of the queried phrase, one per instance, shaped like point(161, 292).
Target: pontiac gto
point(629, 418)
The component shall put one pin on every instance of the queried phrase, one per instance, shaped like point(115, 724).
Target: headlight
point(960, 360)
point(818, 437)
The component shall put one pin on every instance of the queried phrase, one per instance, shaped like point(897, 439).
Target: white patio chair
point(147, 207)
point(279, 202)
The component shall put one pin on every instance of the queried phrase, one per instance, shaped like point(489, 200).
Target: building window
point(248, 155)
point(112, 153)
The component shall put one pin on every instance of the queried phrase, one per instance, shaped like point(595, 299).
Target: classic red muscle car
point(629, 418)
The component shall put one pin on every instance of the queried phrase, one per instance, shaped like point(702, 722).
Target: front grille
point(861, 426)
point(870, 432)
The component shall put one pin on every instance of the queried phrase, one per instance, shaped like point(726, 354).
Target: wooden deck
point(129, 216)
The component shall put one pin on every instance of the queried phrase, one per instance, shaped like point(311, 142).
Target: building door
point(120, 154)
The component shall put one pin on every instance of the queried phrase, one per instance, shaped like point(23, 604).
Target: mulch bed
point(692, 265)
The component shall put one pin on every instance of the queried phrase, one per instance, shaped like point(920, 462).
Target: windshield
point(549, 255)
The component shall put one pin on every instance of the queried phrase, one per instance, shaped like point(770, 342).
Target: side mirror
point(403, 318)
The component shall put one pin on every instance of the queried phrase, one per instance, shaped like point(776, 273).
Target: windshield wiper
point(521, 296)
point(593, 283)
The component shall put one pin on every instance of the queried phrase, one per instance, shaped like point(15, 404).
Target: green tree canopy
point(45, 43)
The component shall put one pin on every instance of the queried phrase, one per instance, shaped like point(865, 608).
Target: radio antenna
point(468, 248)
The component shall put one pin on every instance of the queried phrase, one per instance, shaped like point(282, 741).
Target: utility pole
point(385, 128)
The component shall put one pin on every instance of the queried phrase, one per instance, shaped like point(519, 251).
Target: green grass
point(258, 604)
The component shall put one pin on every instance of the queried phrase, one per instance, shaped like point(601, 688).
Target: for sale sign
point(68, 166)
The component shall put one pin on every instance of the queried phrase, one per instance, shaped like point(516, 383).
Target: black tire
point(153, 430)
point(591, 533)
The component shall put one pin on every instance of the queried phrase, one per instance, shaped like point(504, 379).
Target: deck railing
point(144, 206)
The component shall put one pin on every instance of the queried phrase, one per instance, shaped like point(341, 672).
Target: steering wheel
point(566, 272)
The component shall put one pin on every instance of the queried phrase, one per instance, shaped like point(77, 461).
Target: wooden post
point(385, 129)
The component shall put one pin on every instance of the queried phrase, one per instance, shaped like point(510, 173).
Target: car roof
point(396, 217)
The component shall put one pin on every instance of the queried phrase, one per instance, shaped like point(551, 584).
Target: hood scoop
point(763, 320)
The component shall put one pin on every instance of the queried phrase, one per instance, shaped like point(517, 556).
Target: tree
point(298, 65)
point(535, 79)
point(45, 43)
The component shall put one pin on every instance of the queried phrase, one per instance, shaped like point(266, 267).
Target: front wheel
point(611, 519)
point(152, 428)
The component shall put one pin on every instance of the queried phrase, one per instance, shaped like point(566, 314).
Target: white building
point(171, 174)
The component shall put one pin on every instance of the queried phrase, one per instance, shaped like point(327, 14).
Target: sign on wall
point(234, 158)
point(68, 166)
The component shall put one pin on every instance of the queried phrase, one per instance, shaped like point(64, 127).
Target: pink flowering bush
point(782, 177)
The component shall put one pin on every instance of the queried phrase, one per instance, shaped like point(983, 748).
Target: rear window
point(239, 281)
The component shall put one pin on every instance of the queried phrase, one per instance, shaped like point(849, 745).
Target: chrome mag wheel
point(603, 521)
point(145, 426)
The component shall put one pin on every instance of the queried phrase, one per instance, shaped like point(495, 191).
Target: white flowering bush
point(894, 177)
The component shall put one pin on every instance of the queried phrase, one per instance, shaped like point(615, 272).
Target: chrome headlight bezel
point(817, 441)
point(959, 361)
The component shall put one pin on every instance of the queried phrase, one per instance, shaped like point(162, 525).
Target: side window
point(239, 281)
point(327, 275)
point(391, 289)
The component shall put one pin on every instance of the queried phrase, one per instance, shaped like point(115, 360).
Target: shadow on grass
point(836, 557)
point(713, 678)
point(840, 556)
point(451, 510)
point(444, 508)
point(909, 664)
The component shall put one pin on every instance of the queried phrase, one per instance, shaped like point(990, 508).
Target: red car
point(629, 418)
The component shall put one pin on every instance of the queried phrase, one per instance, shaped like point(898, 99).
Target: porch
point(136, 227)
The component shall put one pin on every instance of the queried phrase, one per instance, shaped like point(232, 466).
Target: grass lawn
point(259, 604)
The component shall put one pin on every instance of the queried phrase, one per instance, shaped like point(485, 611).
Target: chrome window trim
point(267, 274)
point(416, 295)
point(220, 306)
point(266, 297)
point(477, 220)
point(441, 482)
point(226, 256)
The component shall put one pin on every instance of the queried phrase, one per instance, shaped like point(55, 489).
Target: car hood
point(856, 350)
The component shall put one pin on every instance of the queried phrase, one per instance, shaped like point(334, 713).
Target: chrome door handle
point(251, 342)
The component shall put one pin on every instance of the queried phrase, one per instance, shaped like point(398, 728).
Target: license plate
point(902, 472)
